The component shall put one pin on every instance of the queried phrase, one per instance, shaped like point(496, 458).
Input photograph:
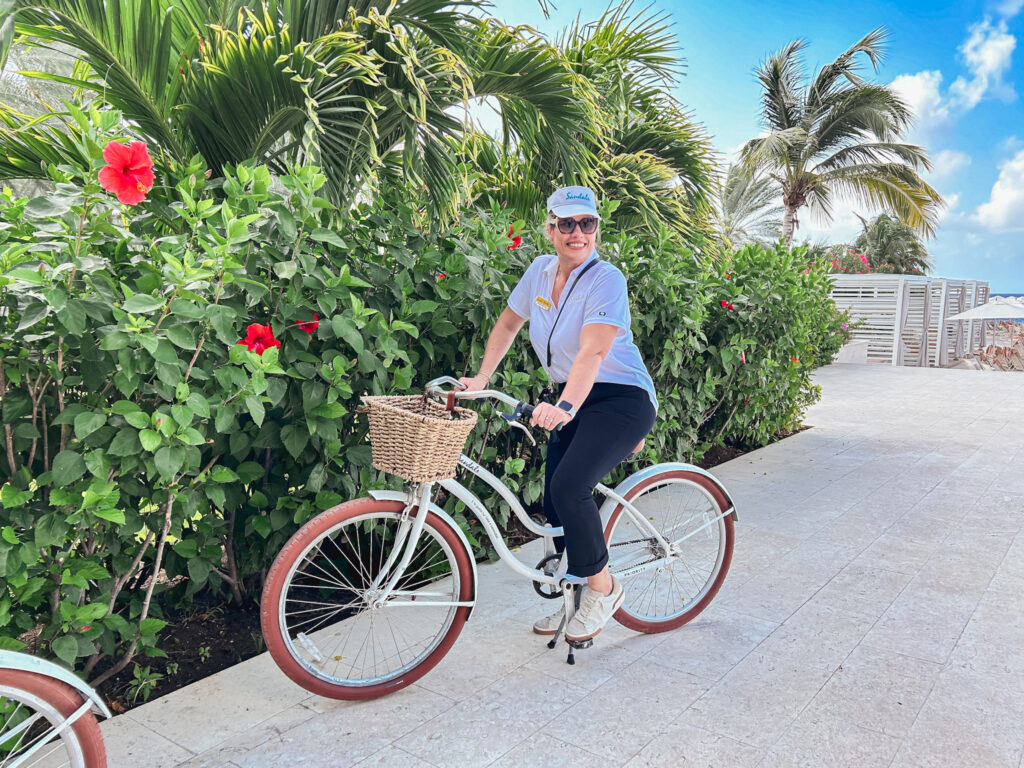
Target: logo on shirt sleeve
point(543, 303)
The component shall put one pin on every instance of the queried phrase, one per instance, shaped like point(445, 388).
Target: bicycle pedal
point(580, 645)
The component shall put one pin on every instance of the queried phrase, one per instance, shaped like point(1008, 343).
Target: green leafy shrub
point(149, 454)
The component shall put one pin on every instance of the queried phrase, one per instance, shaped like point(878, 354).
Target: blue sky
point(958, 65)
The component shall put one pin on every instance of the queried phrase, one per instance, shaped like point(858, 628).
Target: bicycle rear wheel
point(318, 609)
point(670, 591)
point(32, 707)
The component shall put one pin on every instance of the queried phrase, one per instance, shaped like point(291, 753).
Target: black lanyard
point(565, 300)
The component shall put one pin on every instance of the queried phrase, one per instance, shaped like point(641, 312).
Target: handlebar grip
point(526, 411)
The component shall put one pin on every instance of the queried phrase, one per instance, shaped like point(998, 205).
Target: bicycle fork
point(405, 545)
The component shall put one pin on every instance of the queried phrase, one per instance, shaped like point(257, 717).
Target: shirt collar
point(554, 264)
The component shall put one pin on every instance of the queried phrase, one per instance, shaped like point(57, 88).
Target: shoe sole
point(545, 632)
point(580, 638)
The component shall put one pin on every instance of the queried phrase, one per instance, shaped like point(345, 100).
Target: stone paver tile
point(758, 699)
point(713, 643)
point(775, 594)
point(130, 744)
point(253, 738)
point(543, 751)
point(817, 634)
point(616, 720)
point(683, 746)
point(967, 720)
point(393, 757)
point(479, 730)
point(810, 743)
point(345, 732)
point(922, 622)
point(215, 709)
point(862, 589)
point(876, 690)
point(478, 660)
point(594, 666)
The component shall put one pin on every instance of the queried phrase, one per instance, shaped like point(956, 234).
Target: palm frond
point(137, 51)
point(780, 77)
point(892, 186)
point(845, 69)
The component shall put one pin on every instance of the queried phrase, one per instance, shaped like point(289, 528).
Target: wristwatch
point(568, 407)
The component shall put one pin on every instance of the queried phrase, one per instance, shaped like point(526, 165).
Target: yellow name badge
point(543, 303)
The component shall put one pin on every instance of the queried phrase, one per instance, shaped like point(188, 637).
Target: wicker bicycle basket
point(418, 440)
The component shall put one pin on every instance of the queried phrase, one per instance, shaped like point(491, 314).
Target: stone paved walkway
point(873, 616)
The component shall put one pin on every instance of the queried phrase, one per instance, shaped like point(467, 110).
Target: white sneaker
point(550, 624)
point(595, 610)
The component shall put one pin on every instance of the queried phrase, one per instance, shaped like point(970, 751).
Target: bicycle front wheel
point(666, 589)
point(321, 614)
point(32, 708)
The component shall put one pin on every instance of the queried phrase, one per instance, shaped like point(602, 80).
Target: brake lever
point(513, 419)
point(517, 425)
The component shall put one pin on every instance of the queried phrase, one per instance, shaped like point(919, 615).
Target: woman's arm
point(595, 343)
point(498, 343)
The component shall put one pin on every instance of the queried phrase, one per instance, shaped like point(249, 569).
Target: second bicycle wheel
point(32, 709)
point(320, 612)
point(664, 592)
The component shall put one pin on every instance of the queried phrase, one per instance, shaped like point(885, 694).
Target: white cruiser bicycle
point(47, 716)
point(370, 595)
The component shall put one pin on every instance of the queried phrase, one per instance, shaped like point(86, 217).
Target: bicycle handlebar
point(522, 409)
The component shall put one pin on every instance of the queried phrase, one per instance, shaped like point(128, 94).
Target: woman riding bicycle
point(578, 310)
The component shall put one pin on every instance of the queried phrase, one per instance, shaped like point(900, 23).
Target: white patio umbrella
point(993, 310)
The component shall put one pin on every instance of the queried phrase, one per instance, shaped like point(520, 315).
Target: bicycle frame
point(418, 495)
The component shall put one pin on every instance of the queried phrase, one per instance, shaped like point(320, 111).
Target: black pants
point(609, 424)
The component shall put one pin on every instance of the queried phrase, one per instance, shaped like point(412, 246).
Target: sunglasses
point(587, 225)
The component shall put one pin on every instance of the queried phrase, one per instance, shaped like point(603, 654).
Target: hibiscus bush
point(180, 374)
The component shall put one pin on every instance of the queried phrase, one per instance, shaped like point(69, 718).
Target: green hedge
point(147, 456)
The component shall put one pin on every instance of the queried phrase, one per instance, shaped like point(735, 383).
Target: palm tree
point(645, 151)
point(748, 207)
point(361, 87)
point(886, 241)
point(839, 135)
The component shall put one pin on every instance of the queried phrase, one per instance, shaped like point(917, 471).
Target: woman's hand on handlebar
point(475, 383)
point(549, 416)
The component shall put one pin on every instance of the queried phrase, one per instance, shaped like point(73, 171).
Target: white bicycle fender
point(623, 488)
point(23, 662)
point(400, 496)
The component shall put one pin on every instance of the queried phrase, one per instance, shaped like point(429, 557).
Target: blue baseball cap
point(573, 201)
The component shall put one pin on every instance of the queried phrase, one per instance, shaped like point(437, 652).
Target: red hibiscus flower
point(259, 338)
point(726, 305)
point(743, 357)
point(794, 360)
point(516, 241)
point(441, 277)
point(128, 172)
point(310, 326)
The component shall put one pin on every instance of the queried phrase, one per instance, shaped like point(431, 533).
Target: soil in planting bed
point(207, 639)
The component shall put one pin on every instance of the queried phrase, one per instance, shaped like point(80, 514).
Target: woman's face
point(575, 245)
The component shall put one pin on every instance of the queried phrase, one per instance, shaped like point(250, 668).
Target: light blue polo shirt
point(600, 297)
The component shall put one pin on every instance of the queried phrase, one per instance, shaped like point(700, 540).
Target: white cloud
point(1009, 8)
point(1004, 209)
point(921, 94)
point(952, 203)
point(946, 163)
point(987, 52)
